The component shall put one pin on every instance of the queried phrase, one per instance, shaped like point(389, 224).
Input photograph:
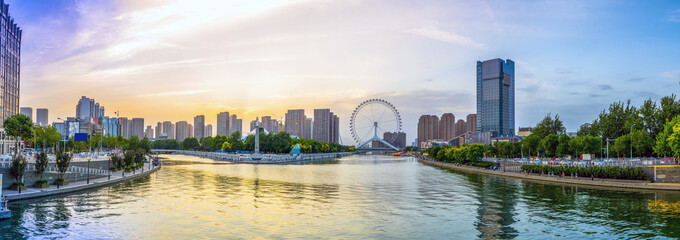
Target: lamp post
point(88, 170)
point(631, 141)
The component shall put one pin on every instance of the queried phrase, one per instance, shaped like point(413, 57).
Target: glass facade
point(10, 49)
point(496, 97)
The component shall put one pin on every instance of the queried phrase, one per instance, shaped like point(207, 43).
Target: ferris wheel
point(371, 119)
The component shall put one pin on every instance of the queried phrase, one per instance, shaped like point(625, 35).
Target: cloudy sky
point(174, 59)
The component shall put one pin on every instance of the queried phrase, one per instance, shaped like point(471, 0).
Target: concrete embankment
point(116, 177)
point(567, 180)
point(267, 158)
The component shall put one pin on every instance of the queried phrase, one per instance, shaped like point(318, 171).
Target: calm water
point(375, 197)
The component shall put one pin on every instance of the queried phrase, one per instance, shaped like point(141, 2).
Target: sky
point(175, 59)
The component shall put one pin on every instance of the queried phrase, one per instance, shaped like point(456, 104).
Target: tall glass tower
point(496, 97)
point(10, 49)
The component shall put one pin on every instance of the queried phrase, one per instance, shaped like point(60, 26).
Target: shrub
point(612, 172)
point(18, 167)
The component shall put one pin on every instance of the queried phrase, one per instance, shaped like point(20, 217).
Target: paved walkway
point(566, 180)
point(81, 184)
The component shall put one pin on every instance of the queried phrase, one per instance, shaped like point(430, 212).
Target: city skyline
point(116, 54)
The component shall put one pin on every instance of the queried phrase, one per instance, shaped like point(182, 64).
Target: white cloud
point(444, 36)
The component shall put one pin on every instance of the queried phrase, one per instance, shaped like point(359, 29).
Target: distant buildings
point(496, 97)
point(137, 129)
point(461, 128)
point(428, 129)
point(168, 130)
point(236, 125)
point(524, 131)
point(447, 126)
point(295, 122)
point(471, 123)
point(325, 126)
point(199, 126)
point(396, 139)
point(125, 126)
point(182, 130)
point(28, 111)
point(208, 130)
point(148, 133)
point(222, 124)
point(41, 116)
point(87, 109)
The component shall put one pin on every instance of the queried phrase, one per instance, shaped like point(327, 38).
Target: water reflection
point(356, 197)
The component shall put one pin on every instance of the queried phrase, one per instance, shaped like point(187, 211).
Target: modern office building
point(87, 109)
point(295, 122)
point(182, 129)
point(223, 124)
point(10, 64)
point(496, 97)
point(137, 129)
point(471, 123)
point(208, 130)
point(148, 133)
point(41, 116)
point(199, 127)
point(109, 126)
point(428, 129)
point(447, 126)
point(28, 111)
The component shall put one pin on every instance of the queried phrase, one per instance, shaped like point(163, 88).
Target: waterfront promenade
point(556, 179)
point(95, 182)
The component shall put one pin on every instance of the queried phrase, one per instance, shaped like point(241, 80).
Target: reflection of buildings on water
point(663, 206)
point(496, 207)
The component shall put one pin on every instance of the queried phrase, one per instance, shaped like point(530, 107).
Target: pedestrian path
point(81, 184)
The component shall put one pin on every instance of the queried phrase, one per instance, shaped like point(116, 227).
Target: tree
point(549, 145)
point(166, 144)
point(17, 126)
point(549, 126)
point(530, 145)
point(563, 145)
point(235, 140)
point(190, 144)
point(63, 162)
point(207, 144)
point(47, 136)
point(18, 168)
point(226, 146)
point(145, 145)
point(41, 162)
point(475, 152)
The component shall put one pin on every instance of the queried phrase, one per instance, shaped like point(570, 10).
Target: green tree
point(530, 145)
point(549, 125)
point(226, 146)
point(47, 136)
point(63, 162)
point(549, 144)
point(17, 126)
point(190, 144)
point(235, 141)
point(18, 167)
point(563, 145)
point(41, 162)
point(475, 152)
point(166, 144)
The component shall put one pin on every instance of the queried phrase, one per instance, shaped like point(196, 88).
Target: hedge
point(612, 172)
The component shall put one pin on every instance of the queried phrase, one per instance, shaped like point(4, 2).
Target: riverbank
point(566, 180)
point(100, 181)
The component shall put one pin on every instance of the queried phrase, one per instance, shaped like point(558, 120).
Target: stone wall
point(664, 174)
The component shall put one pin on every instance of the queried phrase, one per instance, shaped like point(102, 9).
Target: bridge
point(163, 151)
point(363, 147)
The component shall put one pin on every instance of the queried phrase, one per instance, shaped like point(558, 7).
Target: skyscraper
point(447, 127)
point(182, 130)
point(124, 129)
point(199, 127)
point(461, 127)
point(496, 97)
point(236, 125)
point(10, 64)
point(428, 128)
point(223, 124)
point(28, 111)
point(168, 130)
point(41, 116)
point(325, 126)
point(471, 123)
point(295, 122)
point(307, 133)
point(149, 132)
point(137, 129)
point(396, 139)
point(190, 130)
point(159, 129)
point(87, 109)
point(208, 130)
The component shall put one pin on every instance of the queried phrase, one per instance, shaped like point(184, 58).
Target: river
point(357, 197)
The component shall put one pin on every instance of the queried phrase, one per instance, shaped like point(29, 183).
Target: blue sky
point(258, 58)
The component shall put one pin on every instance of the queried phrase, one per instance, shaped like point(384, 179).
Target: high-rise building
point(223, 124)
point(236, 125)
point(496, 97)
point(182, 129)
point(324, 126)
point(10, 63)
point(471, 123)
point(447, 127)
point(87, 109)
point(159, 129)
point(108, 126)
point(461, 128)
point(335, 131)
point(41, 116)
point(148, 133)
point(208, 130)
point(295, 122)
point(199, 127)
point(28, 111)
point(253, 125)
point(137, 129)
point(168, 130)
point(428, 128)
point(124, 129)
point(396, 139)
point(308, 129)
point(190, 130)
